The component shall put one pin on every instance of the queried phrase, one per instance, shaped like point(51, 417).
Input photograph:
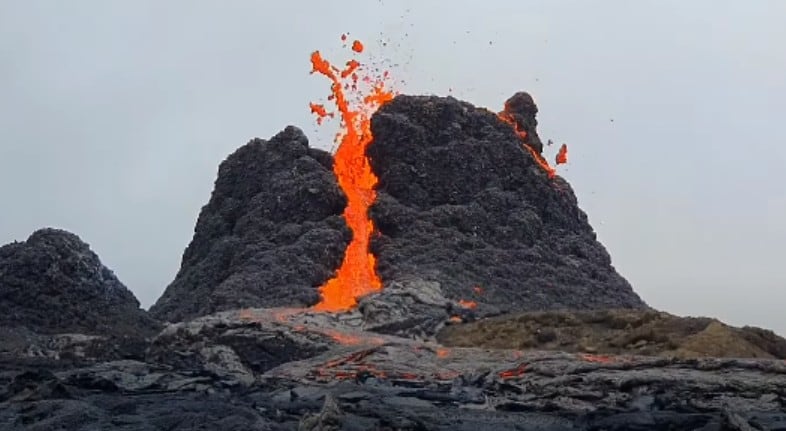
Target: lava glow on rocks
point(357, 275)
point(562, 157)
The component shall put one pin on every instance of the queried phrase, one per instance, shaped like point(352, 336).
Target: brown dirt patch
point(637, 332)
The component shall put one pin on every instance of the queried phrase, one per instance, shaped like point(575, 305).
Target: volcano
point(460, 202)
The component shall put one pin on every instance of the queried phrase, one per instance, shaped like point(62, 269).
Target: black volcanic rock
point(53, 283)
point(277, 369)
point(522, 110)
point(271, 234)
point(462, 203)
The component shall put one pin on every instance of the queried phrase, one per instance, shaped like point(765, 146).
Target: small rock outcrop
point(460, 202)
point(271, 234)
point(53, 283)
point(522, 110)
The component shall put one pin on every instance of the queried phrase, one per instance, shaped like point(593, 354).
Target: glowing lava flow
point(357, 275)
point(507, 117)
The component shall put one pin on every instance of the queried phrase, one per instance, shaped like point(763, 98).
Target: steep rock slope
point(271, 234)
point(461, 202)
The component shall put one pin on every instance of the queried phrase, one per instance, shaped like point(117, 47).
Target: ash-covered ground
point(468, 226)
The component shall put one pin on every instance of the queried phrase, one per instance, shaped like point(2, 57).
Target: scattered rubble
point(292, 369)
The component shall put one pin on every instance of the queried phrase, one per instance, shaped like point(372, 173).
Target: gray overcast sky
point(115, 115)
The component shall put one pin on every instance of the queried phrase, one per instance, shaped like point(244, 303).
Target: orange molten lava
point(321, 112)
point(562, 155)
point(443, 352)
point(600, 359)
point(346, 339)
point(514, 372)
point(508, 118)
point(467, 304)
point(357, 275)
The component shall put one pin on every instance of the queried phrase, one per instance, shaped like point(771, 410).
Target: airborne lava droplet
point(562, 155)
point(357, 275)
point(352, 66)
point(320, 111)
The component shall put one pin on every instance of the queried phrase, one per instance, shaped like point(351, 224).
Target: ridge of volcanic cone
point(461, 202)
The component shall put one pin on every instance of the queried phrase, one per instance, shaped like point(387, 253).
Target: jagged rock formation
point(460, 202)
point(271, 234)
point(521, 108)
point(53, 284)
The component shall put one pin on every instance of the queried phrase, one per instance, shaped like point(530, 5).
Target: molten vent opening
point(357, 275)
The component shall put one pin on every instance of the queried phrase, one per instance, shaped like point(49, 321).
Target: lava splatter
point(562, 155)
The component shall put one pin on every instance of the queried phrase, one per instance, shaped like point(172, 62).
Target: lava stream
point(357, 275)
